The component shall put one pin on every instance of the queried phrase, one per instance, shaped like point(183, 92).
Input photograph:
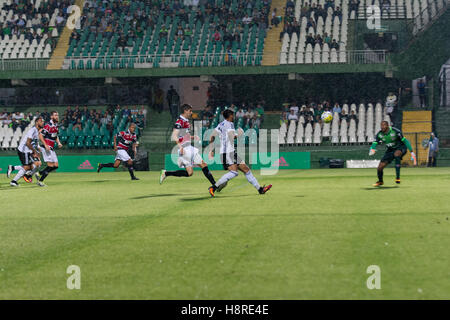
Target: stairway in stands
point(272, 45)
point(60, 52)
point(155, 137)
point(416, 127)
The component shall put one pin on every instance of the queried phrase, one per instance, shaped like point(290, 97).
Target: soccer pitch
point(312, 236)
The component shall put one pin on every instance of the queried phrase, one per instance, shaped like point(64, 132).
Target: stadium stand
point(138, 34)
point(79, 128)
point(317, 31)
point(30, 29)
point(359, 127)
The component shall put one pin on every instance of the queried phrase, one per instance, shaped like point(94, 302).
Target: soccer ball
point(327, 117)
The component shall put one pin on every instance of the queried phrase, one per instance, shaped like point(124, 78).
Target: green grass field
point(311, 237)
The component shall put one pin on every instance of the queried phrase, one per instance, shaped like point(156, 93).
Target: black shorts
point(229, 159)
point(26, 158)
point(389, 155)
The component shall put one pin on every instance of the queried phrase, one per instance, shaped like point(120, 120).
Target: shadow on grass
point(380, 188)
point(209, 197)
point(155, 196)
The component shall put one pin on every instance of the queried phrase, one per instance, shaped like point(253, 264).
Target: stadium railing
point(27, 64)
point(426, 16)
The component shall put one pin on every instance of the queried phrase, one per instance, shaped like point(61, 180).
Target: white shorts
point(122, 155)
point(191, 157)
point(49, 156)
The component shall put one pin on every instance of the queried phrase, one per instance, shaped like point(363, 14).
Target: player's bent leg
point(131, 170)
point(19, 175)
point(224, 179)
point(207, 173)
point(398, 154)
point(380, 174)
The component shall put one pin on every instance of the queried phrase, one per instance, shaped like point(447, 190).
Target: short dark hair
point(385, 122)
point(39, 118)
point(227, 113)
point(186, 107)
point(132, 124)
point(53, 112)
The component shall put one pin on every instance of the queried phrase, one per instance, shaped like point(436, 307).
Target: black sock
point(131, 171)
point(107, 165)
point(380, 175)
point(208, 175)
point(44, 173)
point(397, 167)
point(178, 173)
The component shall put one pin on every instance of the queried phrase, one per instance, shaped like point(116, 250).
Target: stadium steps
point(416, 127)
point(57, 59)
point(156, 133)
point(272, 45)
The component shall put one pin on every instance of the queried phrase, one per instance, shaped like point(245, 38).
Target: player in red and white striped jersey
point(189, 156)
point(124, 143)
point(49, 139)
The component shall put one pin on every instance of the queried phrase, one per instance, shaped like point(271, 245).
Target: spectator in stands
point(311, 24)
point(334, 45)
point(338, 13)
point(240, 113)
point(337, 108)
point(385, 5)
point(328, 4)
point(354, 6)
point(285, 30)
point(290, 4)
point(353, 116)
point(255, 121)
point(249, 114)
point(179, 34)
point(4, 114)
point(292, 115)
point(294, 107)
point(45, 115)
point(344, 115)
point(122, 43)
point(163, 32)
point(318, 40)
point(140, 119)
point(78, 125)
point(187, 33)
point(246, 19)
point(421, 87)
point(309, 39)
point(326, 39)
point(216, 35)
point(274, 20)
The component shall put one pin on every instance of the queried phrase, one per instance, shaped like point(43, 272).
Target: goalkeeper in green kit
point(397, 146)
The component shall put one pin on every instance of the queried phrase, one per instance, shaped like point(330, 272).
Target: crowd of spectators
point(76, 116)
point(312, 12)
point(15, 120)
point(104, 19)
point(312, 112)
point(25, 11)
point(251, 113)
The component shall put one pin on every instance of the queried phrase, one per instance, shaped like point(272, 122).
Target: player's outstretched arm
point(408, 145)
point(115, 142)
point(373, 148)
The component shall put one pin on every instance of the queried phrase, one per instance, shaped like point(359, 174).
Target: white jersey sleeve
point(32, 134)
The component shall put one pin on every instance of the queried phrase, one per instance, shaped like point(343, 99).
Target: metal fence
point(28, 64)
point(186, 60)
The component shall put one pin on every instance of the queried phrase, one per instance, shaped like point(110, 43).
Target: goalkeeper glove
point(372, 152)
point(413, 158)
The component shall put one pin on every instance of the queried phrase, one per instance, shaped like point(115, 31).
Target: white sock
point(19, 175)
point(251, 178)
point(227, 176)
point(16, 168)
point(35, 168)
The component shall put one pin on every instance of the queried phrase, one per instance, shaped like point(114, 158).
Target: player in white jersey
point(230, 159)
point(189, 156)
point(28, 153)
